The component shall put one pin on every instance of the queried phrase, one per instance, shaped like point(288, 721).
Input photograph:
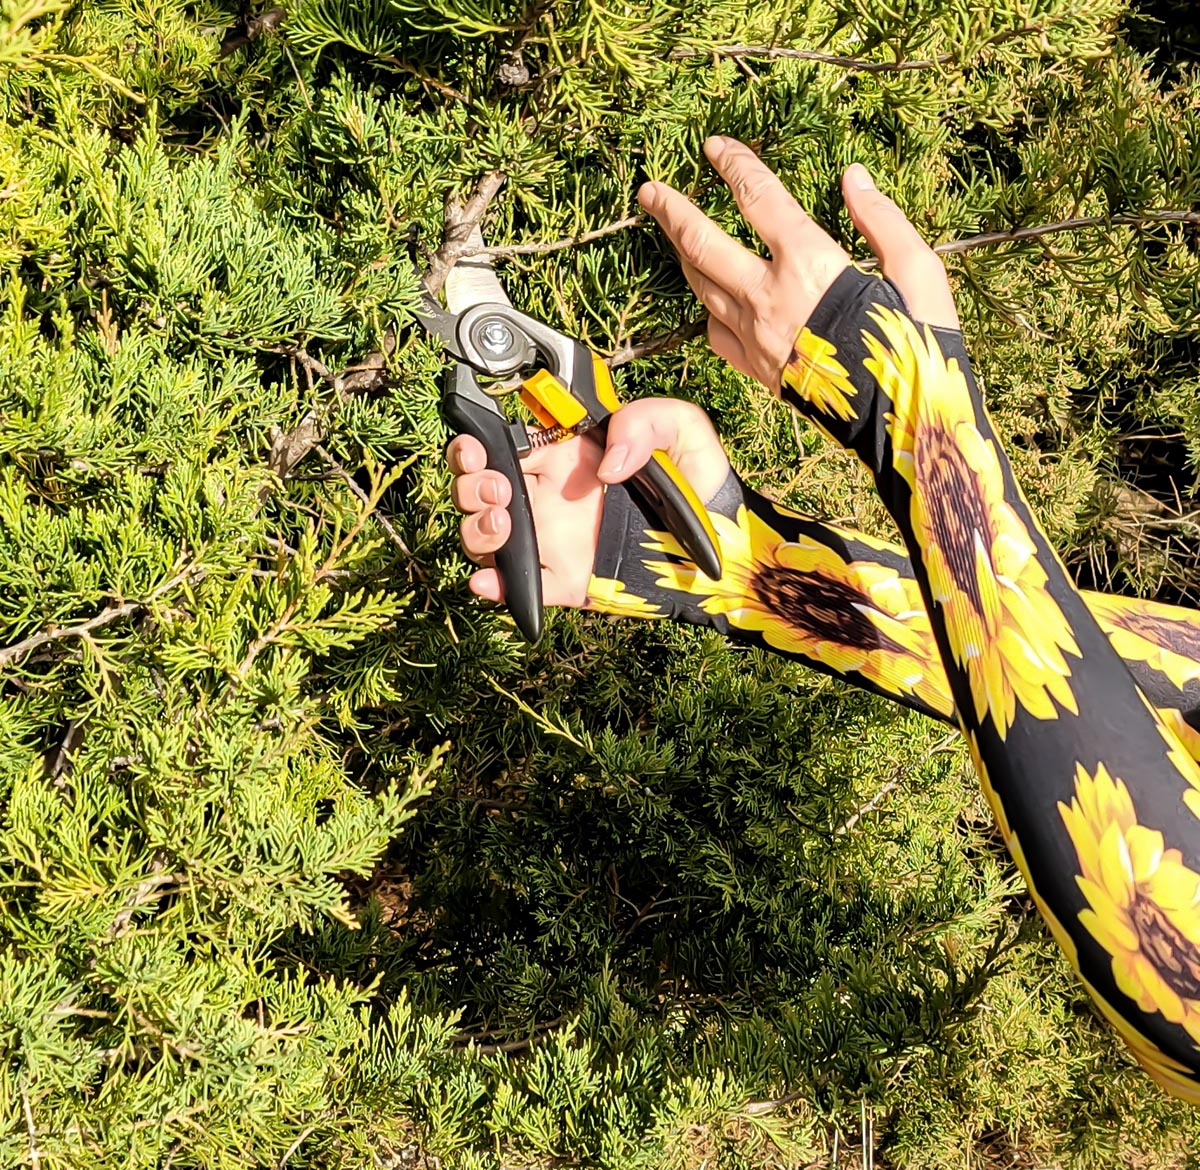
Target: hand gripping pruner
point(496, 351)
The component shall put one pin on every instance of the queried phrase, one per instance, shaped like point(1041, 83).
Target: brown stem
point(253, 29)
point(558, 245)
point(353, 485)
point(654, 345)
point(1143, 219)
point(851, 64)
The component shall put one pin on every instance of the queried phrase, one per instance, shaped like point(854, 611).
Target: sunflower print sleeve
point(848, 604)
point(1094, 791)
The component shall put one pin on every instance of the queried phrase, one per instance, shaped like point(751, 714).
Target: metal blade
point(473, 281)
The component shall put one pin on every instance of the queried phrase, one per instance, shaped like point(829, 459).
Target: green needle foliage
point(305, 859)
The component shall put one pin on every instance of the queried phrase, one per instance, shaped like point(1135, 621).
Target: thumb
point(635, 432)
point(904, 257)
point(679, 428)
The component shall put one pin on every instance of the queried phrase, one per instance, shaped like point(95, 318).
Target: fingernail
point(489, 491)
point(490, 522)
point(715, 146)
point(860, 177)
point(613, 461)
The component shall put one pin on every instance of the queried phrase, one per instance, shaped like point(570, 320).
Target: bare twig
point(306, 1132)
point(426, 79)
point(558, 245)
point(350, 482)
point(850, 64)
point(145, 892)
point(654, 345)
point(105, 617)
point(894, 783)
point(254, 28)
point(1141, 219)
point(757, 1108)
point(538, 1034)
point(35, 1157)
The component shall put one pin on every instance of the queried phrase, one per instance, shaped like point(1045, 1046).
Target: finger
point(484, 532)
point(711, 295)
point(905, 258)
point(701, 243)
point(479, 490)
point(486, 584)
point(466, 454)
point(725, 344)
point(763, 200)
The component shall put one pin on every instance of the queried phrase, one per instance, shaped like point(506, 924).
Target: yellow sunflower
point(606, 595)
point(1183, 750)
point(1004, 628)
point(1164, 637)
point(817, 377)
point(804, 599)
point(1144, 902)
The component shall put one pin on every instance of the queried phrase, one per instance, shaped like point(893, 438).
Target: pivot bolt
point(495, 338)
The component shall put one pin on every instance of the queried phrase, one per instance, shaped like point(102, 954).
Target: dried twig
point(253, 28)
point(1141, 219)
point(354, 486)
point(894, 783)
point(660, 344)
point(538, 1034)
point(35, 1157)
point(850, 64)
point(558, 245)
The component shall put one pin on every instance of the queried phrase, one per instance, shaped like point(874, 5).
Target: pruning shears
point(496, 351)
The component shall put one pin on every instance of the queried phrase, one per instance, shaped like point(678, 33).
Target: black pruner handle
point(672, 498)
point(469, 411)
point(674, 501)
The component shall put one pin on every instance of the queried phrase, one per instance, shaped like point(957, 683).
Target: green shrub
point(305, 859)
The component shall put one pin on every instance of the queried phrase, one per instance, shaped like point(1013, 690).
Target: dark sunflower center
point(821, 606)
point(955, 505)
point(1182, 637)
point(1175, 958)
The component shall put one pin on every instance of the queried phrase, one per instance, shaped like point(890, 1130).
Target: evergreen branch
point(18, 650)
point(851, 64)
point(558, 245)
point(461, 220)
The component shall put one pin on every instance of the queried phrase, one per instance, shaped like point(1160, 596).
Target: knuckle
point(749, 188)
point(693, 243)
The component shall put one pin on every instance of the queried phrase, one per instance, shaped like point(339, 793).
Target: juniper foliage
point(305, 860)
